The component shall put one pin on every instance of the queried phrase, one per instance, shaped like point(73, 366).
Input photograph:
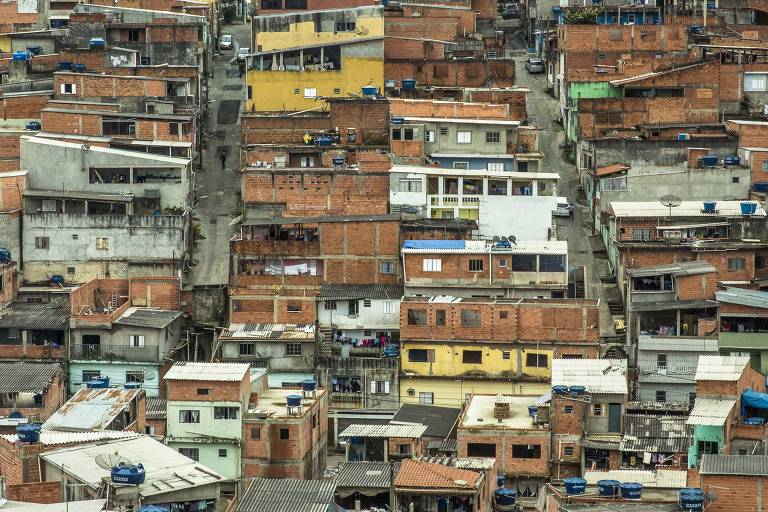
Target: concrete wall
point(274, 353)
point(116, 373)
point(164, 339)
point(380, 315)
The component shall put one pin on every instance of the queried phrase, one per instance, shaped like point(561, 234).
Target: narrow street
point(217, 190)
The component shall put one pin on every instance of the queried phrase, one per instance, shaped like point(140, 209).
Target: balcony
point(340, 400)
point(450, 200)
point(276, 248)
point(360, 363)
point(115, 353)
point(43, 352)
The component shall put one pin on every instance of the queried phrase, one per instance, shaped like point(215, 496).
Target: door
point(614, 417)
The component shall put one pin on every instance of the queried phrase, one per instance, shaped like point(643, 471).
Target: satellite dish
point(670, 202)
point(149, 374)
point(110, 460)
point(496, 239)
point(512, 239)
point(504, 239)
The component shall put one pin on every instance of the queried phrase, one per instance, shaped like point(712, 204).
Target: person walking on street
point(223, 158)
point(570, 211)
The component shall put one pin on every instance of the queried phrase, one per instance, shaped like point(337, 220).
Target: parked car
point(563, 207)
point(534, 65)
point(242, 53)
point(226, 42)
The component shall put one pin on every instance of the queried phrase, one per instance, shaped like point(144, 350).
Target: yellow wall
point(452, 393)
point(303, 34)
point(5, 44)
point(448, 361)
point(274, 90)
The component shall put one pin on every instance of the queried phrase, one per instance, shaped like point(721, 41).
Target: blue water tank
point(575, 485)
point(748, 208)
point(65, 65)
point(409, 84)
point(559, 390)
point(58, 23)
point(128, 474)
point(78, 68)
point(577, 390)
point(324, 140)
point(754, 421)
point(33, 125)
point(608, 487)
point(338, 160)
point(21, 55)
point(708, 161)
point(500, 481)
point(710, 206)
point(97, 42)
point(35, 50)
point(308, 385)
point(29, 433)
point(132, 385)
point(691, 498)
point(532, 410)
point(389, 84)
point(293, 400)
point(760, 187)
point(153, 508)
point(731, 160)
point(631, 490)
point(369, 90)
point(505, 498)
point(5, 255)
point(695, 29)
point(100, 383)
point(57, 279)
point(15, 415)
point(397, 120)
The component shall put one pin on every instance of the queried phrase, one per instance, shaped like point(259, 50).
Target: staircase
point(325, 345)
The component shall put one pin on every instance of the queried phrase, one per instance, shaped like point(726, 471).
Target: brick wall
point(155, 292)
point(267, 129)
point(220, 391)
point(750, 135)
point(369, 119)
point(505, 440)
point(453, 73)
point(452, 109)
point(757, 160)
point(23, 107)
point(567, 423)
point(99, 86)
point(735, 492)
point(12, 188)
point(39, 492)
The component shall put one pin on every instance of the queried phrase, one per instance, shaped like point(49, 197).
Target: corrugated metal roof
point(723, 368)
point(677, 343)
point(31, 377)
point(53, 315)
point(747, 465)
point(602, 441)
point(486, 247)
point(605, 376)
point(408, 431)
point(743, 297)
point(91, 409)
point(156, 408)
point(287, 495)
point(360, 291)
point(663, 479)
point(686, 268)
point(272, 332)
point(69, 506)
point(363, 474)
point(231, 372)
point(686, 209)
point(52, 437)
point(439, 420)
point(166, 469)
point(711, 411)
point(655, 434)
point(145, 317)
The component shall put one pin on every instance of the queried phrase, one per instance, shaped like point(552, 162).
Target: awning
point(753, 399)
point(689, 226)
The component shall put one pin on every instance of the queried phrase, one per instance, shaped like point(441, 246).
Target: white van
point(563, 208)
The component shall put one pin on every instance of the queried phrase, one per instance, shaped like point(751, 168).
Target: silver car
point(226, 42)
point(534, 65)
point(242, 54)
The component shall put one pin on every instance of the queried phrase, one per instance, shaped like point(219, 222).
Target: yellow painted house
point(299, 58)
point(447, 374)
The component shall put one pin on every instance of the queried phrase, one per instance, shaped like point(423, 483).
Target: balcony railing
point(115, 353)
point(360, 363)
point(454, 200)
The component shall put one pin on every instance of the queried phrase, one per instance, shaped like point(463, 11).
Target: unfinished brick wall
point(39, 492)
point(258, 128)
point(452, 73)
point(699, 286)
point(368, 119)
point(155, 292)
point(750, 135)
point(26, 106)
point(12, 187)
point(451, 109)
point(505, 439)
point(515, 100)
point(109, 86)
point(219, 391)
point(736, 492)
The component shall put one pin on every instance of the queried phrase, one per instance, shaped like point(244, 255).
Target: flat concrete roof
point(480, 412)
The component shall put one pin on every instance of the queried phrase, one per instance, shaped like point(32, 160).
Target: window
point(366, 303)
point(505, 355)
point(336, 92)
point(568, 409)
point(764, 166)
point(345, 26)
point(410, 185)
point(661, 396)
point(353, 307)
point(102, 244)
point(203, 391)
point(293, 307)
point(755, 82)
point(524, 263)
point(462, 166)
point(421, 355)
point(735, 264)
point(225, 413)
point(330, 305)
point(70, 270)
point(522, 166)
point(68, 89)
point(192, 453)
point(89, 375)
point(41, 242)
point(536, 360)
point(293, 349)
point(136, 340)
point(250, 92)
point(136, 377)
point(734, 179)
point(429, 136)
point(526, 451)
point(404, 449)
point(310, 92)
point(443, 131)
point(475, 265)
point(503, 315)
point(492, 137)
point(145, 60)
point(189, 416)
point(472, 357)
point(661, 360)
point(222, 452)
point(641, 234)
point(297, 91)
point(597, 409)
point(430, 265)
point(390, 307)
point(149, 430)
point(481, 449)
point(417, 317)
point(426, 398)
point(495, 166)
point(133, 34)
point(380, 387)
point(118, 126)
point(440, 317)
point(387, 267)
point(470, 318)
point(464, 137)
point(256, 433)
point(568, 451)
point(247, 349)
point(285, 433)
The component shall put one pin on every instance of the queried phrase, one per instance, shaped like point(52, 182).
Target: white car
point(563, 208)
point(226, 42)
point(242, 53)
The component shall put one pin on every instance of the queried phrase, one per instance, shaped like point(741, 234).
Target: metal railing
point(115, 353)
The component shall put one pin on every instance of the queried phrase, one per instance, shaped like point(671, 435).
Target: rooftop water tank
point(577, 390)
point(691, 498)
point(532, 410)
point(338, 160)
point(505, 499)
point(397, 120)
point(132, 385)
point(57, 279)
point(324, 140)
point(608, 487)
point(100, 383)
point(152, 508)
point(35, 50)
point(33, 125)
point(754, 421)
point(5, 255)
point(97, 42)
point(78, 68)
point(15, 415)
point(293, 400)
point(369, 90)
point(21, 55)
point(559, 390)
point(500, 481)
point(710, 206)
point(731, 160)
point(575, 485)
point(65, 65)
point(128, 474)
point(308, 385)
point(748, 208)
point(631, 490)
point(409, 84)
point(389, 84)
point(708, 161)
point(29, 433)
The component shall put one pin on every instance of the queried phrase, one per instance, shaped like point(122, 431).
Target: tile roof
point(420, 474)
point(145, 317)
point(231, 372)
point(607, 170)
point(92, 409)
point(605, 376)
point(655, 434)
point(723, 368)
point(473, 463)
point(409, 431)
point(743, 297)
point(31, 377)
point(602, 441)
point(272, 332)
point(662, 479)
point(53, 315)
point(711, 411)
point(440, 421)
point(363, 474)
point(156, 408)
point(287, 495)
point(686, 209)
point(360, 291)
point(747, 465)
point(52, 437)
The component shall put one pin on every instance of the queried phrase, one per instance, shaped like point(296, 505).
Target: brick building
point(737, 481)
point(35, 390)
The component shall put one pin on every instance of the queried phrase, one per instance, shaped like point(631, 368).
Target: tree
point(581, 16)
